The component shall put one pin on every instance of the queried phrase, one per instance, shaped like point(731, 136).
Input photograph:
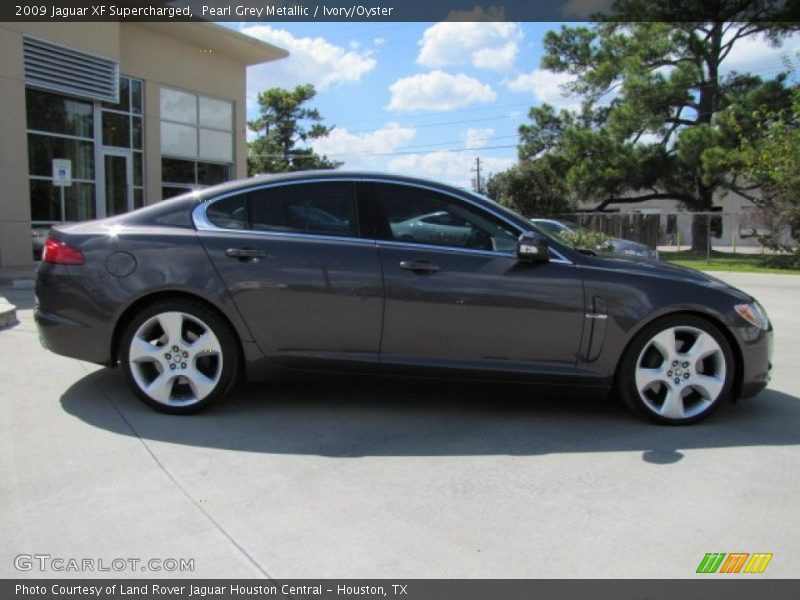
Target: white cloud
point(379, 41)
point(438, 91)
point(359, 150)
point(486, 45)
point(454, 168)
point(477, 138)
point(546, 86)
point(756, 55)
point(311, 60)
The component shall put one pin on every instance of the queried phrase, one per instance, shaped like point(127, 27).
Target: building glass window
point(178, 140)
point(64, 127)
point(196, 141)
point(181, 176)
point(59, 114)
point(60, 127)
point(122, 128)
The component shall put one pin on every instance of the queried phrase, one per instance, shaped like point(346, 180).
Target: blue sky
point(426, 99)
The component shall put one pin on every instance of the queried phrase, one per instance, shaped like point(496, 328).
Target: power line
point(407, 149)
point(498, 117)
point(341, 154)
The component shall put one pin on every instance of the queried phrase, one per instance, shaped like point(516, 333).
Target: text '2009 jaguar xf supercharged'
point(335, 271)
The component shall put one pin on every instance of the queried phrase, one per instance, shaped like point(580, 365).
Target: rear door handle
point(245, 253)
point(419, 266)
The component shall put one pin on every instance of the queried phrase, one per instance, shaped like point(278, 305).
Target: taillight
point(61, 253)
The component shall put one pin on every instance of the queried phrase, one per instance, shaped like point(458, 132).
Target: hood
point(622, 243)
point(664, 270)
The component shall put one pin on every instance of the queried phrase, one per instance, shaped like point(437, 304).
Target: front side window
point(314, 208)
point(419, 215)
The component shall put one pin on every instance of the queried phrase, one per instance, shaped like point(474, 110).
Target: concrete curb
point(23, 284)
point(8, 313)
point(17, 283)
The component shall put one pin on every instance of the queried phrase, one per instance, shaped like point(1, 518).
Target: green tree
point(282, 133)
point(652, 95)
point(533, 188)
point(772, 162)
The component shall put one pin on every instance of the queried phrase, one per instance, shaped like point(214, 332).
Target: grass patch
point(742, 263)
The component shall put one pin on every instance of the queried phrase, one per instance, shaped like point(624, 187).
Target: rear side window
point(229, 213)
point(319, 208)
point(326, 208)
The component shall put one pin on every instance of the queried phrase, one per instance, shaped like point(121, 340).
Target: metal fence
point(672, 231)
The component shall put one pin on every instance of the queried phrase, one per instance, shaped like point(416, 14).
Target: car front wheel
point(677, 370)
point(179, 356)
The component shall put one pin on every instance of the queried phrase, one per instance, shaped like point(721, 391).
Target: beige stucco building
point(141, 111)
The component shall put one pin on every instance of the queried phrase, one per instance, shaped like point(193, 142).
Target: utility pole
point(477, 183)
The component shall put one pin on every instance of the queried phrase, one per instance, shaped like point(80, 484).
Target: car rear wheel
point(677, 370)
point(179, 356)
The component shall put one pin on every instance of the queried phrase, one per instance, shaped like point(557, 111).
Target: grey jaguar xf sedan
point(321, 271)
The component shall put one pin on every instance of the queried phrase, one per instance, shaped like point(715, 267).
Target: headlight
point(754, 314)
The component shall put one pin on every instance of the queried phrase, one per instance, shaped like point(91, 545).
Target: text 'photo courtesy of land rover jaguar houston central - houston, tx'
point(366, 273)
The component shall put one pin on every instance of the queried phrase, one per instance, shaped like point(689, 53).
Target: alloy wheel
point(680, 372)
point(175, 358)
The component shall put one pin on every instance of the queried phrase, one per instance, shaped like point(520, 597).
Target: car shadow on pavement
point(356, 417)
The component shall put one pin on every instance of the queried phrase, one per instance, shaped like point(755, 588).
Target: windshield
point(553, 227)
point(526, 223)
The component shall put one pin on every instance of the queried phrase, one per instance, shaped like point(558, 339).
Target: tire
point(179, 356)
point(676, 371)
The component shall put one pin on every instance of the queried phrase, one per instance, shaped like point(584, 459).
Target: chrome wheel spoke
point(708, 386)
point(172, 324)
point(673, 407)
point(646, 378)
point(206, 345)
point(161, 388)
point(141, 350)
point(200, 384)
point(665, 343)
point(704, 345)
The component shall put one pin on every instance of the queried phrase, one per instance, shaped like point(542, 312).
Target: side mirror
point(532, 248)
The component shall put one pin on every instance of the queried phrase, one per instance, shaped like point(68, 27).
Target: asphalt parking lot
point(369, 478)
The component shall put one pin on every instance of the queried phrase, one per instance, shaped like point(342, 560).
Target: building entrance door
point(118, 178)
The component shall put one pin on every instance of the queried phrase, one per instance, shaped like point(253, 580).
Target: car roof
point(299, 176)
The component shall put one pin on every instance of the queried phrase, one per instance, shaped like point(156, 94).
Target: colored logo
point(734, 562)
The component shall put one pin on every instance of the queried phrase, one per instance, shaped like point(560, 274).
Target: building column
point(15, 206)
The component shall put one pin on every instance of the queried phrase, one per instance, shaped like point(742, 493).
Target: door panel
point(309, 289)
point(476, 310)
point(465, 301)
point(303, 298)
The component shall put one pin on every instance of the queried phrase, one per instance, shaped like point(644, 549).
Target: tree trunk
point(707, 106)
point(700, 223)
point(699, 233)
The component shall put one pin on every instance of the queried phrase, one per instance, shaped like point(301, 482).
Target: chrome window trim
point(203, 224)
point(456, 249)
point(284, 234)
point(414, 245)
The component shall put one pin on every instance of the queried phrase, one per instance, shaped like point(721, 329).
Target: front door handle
point(419, 266)
point(245, 253)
